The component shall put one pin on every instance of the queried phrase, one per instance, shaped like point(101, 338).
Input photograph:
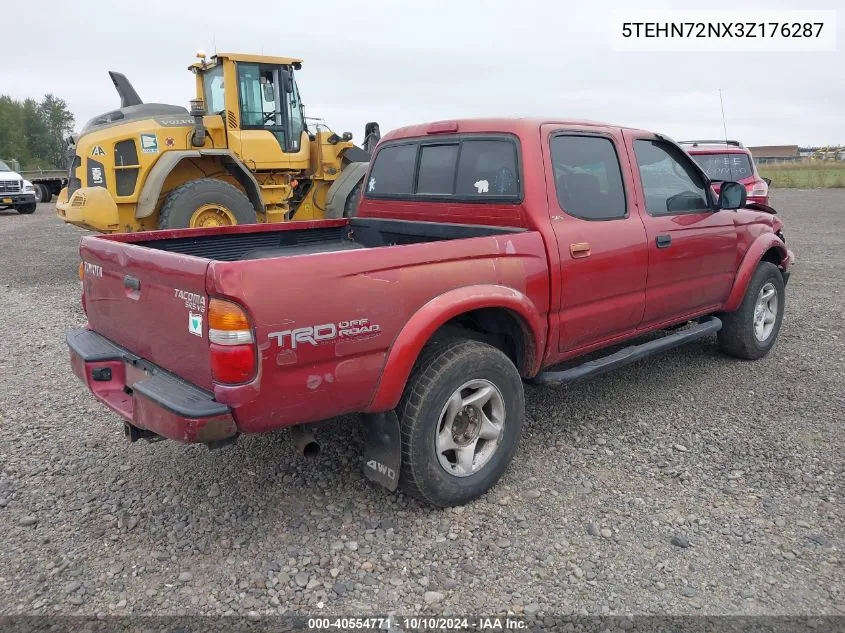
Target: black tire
point(26, 209)
point(186, 199)
point(737, 337)
point(47, 194)
point(443, 369)
point(40, 192)
point(350, 206)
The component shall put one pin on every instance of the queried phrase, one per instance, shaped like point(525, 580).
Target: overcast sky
point(407, 61)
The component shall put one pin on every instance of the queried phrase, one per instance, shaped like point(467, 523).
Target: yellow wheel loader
point(242, 154)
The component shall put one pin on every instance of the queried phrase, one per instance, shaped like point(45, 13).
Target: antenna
point(214, 43)
point(724, 124)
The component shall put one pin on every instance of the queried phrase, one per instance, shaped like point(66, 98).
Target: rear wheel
point(461, 420)
point(206, 203)
point(751, 331)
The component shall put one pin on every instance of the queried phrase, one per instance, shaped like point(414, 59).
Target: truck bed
point(359, 233)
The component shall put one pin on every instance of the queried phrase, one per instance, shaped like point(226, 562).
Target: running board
point(631, 354)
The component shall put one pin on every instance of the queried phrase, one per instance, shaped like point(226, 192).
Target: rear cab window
point(588, 177)
point(726, 166)
point(463, 168)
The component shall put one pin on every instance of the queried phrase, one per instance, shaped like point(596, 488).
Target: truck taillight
point(758, 188)
point(231, 342)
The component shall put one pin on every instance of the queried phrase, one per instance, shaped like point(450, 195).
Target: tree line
point(35, 132)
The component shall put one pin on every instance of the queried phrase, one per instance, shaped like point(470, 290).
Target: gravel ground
point(687, 483)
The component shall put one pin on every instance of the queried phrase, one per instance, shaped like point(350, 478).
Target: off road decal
point(193, 301)
point(316, 334)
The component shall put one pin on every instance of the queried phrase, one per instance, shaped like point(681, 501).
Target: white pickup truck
point(15, 192)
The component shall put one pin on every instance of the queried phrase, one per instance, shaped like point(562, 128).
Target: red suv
point(729, 160)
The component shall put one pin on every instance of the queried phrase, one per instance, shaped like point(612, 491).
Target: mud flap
point(383, 449)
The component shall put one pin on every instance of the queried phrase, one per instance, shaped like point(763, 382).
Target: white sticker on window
point(371, 185)
point(482, 186)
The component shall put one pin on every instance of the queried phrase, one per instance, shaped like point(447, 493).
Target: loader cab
point(259, 101)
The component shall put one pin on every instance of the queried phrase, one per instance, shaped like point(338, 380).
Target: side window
point(588, 178)
point(212, 81)
point(437, 169)
point(670, 183)
point(487, 168)
point(393, 170)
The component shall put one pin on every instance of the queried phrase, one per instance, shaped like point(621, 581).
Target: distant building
point(776, 154)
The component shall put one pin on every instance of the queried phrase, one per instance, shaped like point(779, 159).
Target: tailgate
point(151, 302)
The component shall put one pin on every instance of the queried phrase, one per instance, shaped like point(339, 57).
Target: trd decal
point(315, 334)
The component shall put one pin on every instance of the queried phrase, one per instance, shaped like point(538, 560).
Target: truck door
point(692, 248)
point(600, 236)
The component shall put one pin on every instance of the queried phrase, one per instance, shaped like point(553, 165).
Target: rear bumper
point(145, 395)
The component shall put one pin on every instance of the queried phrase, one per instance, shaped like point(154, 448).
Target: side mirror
point(768, 181)
point(269, 93)
point(732, 195)
point(287, 80)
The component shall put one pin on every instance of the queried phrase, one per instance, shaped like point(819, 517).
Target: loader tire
point(350, 207)
point(487, 421)
point(206, 203)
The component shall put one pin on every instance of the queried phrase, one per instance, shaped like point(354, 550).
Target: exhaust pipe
point(304, 440)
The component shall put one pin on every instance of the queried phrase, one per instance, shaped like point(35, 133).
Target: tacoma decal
point(192, 300)
point(315, 334)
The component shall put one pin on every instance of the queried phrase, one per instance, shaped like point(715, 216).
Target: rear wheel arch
point(148, 200)
point(505, 319)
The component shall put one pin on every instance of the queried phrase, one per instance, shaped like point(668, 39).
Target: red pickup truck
point(484, 252)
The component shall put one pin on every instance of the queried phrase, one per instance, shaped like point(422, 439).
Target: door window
point(671, 182)
point(588, 177)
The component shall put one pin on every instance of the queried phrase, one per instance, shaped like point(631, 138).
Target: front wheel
point(751, 331)
point(206, 203)
point(461, 419)
point(26, 209)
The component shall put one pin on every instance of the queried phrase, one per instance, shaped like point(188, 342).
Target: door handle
point(663, 241)
point(581, 249)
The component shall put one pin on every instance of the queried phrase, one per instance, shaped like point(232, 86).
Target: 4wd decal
point(193, 301)
point(315, 334)
point(381, 469)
